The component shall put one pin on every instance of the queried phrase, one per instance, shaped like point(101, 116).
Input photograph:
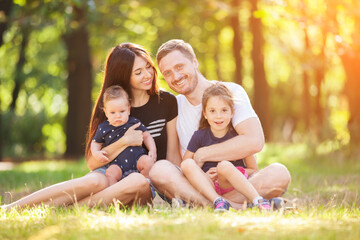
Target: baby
point(132, 159)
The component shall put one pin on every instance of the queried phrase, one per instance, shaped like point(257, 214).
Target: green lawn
point(324, 192)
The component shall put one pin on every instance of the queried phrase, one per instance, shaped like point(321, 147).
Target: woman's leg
point(67, 192)
point(229, 176)
point(199, 180)
point(134, 188)
point(170, 181)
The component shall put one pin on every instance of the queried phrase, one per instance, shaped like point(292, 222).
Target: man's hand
point(101, 156)
point(133, 137)
point(198, 156)
point(212, 173)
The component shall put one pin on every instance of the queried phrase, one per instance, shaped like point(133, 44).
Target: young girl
point(116, 107)
point(220, 177)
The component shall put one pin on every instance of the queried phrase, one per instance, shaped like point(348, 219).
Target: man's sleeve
point(242, 105)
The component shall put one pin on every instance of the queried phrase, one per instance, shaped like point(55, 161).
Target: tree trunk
point(237, 40)
point(306, 99)
point(19, 76)
point(351, 62)
point(5, 7)
point(319, 78)
point(261, 87)
point(79, 85)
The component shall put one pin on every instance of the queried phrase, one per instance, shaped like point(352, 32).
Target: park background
point(299, 62)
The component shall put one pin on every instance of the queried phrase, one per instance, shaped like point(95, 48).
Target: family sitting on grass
point(212, 122)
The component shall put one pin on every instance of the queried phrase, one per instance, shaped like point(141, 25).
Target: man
point(179, 66)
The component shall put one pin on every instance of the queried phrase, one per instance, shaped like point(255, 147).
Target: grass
point(324, 190)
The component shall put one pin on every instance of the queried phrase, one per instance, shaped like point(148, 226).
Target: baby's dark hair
point(114, 92)
point(215, 90)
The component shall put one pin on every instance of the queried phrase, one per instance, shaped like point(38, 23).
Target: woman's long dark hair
point(118, 68)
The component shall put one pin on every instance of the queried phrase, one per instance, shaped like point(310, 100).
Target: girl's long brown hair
point(216, 90)
point(118, 68)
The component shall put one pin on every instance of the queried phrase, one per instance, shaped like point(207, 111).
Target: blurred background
point(298, 60)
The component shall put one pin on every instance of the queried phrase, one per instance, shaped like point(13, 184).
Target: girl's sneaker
point(221, 205)
point(264, 205)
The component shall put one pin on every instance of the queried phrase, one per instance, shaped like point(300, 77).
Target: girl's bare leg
point(64, 193)
point(131, 189)
point(200, 180)
point(229, 176)
point(170, 181)
point(271, 181)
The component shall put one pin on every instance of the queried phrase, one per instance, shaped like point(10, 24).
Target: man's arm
point(173, 147)
point(249, 141)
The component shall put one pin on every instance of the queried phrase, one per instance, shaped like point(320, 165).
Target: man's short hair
point(173, 45)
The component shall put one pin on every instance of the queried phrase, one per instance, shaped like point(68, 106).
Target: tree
point(261, 87)
point(237, 40)
point(79, 82)
point(5, 8)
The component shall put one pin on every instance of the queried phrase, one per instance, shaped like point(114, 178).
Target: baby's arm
point(150, 145)
point(251, 165)
point(99, 155)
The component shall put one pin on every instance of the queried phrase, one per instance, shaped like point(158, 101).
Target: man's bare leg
point(169, 180)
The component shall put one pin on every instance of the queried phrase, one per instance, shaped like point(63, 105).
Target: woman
point(130, 66)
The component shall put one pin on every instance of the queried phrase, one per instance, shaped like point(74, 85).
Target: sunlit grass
point(167, 223)
point(324, 194)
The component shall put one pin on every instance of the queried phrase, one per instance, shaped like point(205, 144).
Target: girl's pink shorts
point(222, 191)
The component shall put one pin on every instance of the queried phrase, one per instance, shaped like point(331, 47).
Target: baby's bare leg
point(113, 174)
point(144, 165)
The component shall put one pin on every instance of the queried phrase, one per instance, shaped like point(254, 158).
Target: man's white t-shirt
point(189, 115)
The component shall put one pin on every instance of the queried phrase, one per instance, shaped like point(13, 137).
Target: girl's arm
point(251, 165)
point(188, 155)
point(132, 137)
point(173, 146)
point(150, 145)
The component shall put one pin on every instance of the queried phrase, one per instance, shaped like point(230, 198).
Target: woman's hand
point(101, 156)
point(212, 174)
point(133, 137)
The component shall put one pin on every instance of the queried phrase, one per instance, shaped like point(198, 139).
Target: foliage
point(329, 25)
